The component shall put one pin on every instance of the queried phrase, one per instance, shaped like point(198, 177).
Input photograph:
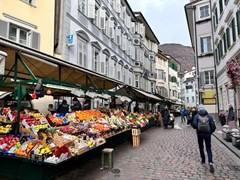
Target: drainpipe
point(215, 62)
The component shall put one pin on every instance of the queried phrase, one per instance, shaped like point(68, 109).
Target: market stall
point(39, 146)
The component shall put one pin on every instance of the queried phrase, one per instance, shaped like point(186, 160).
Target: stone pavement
point(164, 154)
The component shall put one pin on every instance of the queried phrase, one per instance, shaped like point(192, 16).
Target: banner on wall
point(209, 97)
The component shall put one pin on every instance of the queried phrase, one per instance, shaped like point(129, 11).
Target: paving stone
point(163, 154)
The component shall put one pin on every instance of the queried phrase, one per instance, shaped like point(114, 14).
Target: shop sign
point(209, 101)
point(70, 40)
point(209, 94)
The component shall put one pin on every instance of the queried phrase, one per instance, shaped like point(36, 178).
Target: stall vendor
point(76, 105)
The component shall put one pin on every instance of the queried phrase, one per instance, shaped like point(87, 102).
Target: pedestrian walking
point(205, 126)
point(166, 116)
point(159, 121)
point(194, 113)
point(230, 117)
point(182, 114)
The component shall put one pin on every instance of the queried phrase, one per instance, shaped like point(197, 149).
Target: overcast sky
point(166, 18)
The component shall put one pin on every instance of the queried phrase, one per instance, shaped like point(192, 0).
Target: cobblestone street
point(163, 154)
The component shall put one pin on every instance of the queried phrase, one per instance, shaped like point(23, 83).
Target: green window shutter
point(238, 22)
point(233, 30)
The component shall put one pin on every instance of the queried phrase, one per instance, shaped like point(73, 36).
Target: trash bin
point(136, 132)
point(107, 158)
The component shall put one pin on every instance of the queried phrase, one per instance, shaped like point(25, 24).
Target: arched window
point(82, 48)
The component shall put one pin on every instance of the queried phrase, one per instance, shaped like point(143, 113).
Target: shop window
point(206, 45)
point(204, 11)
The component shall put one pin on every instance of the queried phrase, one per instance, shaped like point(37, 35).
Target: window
point(82, 4)
point(18, 34)
point(220, 6)
point(204, 11)
point(192, 88)
point(164, 76)
point(95, 59)
point(107, 65)
point(216, 16)
point(209, 77)
point(192, 99)
point(137, 81)
point(233, 30)
point(228, 37)
point(206, 45)
point(187, 99)
point(82, 52)
point(96, 18)
point(32, 2)
point(238, 21)
point(224, 43)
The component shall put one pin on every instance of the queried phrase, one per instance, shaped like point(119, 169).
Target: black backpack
point(203, 124)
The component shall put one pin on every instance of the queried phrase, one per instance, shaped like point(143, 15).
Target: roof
point(149, 32)
point(46, 66)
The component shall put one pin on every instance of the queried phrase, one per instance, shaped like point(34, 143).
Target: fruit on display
point(89, 114)
point(7, 142)
point(62, 150)
point(101, 128)
point(43, 150)
point(57, 119)
point(68, 129)
point(5, 129)
point(36, 115)
point(91, 144)
point(40, 126)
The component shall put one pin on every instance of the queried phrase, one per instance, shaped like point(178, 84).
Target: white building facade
point(198, 16)
point(173, 79)
point(162, 84)
point(188, 89)
point(107, 37)
point(226, 33)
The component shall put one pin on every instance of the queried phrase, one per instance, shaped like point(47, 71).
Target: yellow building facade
point(29, 22)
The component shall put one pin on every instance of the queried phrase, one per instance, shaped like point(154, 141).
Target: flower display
point(233, 73)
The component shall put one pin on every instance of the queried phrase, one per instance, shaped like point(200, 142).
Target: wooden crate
point(136, 140)
point(136, 132)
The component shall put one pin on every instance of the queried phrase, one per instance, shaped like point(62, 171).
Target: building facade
point(107, 37)
point(21, 21)
point(162, 84)
point(226, 33)
point(173, 79)
point(198, 14)
point(188, 89)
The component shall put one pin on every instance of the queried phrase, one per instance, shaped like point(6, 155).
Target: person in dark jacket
point(76, 105)
point(63, 108)
point(230, 117)
point(136, 108)
point(166, 116)
point(204, 136)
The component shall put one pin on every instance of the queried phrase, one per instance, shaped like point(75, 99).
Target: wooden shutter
point(111, 28)
point(111, 68)
point(35, 40)
point(102, 18)
point(202, 82)
point(4, 28)
point(102, 64)
point(91, 9)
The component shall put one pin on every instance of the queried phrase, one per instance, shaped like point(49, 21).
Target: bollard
point(107, 158)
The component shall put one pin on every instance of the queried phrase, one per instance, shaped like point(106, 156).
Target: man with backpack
point(205, 126)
